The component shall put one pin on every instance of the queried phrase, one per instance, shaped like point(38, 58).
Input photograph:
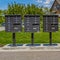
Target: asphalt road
point(30, 55)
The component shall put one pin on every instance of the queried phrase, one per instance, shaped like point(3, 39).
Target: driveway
point(2, 28)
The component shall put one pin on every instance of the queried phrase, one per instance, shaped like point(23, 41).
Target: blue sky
point(45, 3)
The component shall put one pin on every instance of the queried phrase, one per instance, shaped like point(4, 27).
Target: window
point(58, 6)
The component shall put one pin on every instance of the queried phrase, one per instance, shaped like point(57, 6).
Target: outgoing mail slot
point(16, 24)
point(54, 24)
point(35, 24)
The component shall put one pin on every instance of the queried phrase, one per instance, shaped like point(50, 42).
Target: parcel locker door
point(17, 27)
point(35, 28)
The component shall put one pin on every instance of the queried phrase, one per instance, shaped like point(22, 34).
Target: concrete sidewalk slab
point(29, 55)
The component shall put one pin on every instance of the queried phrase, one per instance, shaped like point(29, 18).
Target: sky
point(44, 3)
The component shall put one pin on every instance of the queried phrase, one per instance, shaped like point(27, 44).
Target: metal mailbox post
point(50, 24)
point(13, 23)
point(32, 24)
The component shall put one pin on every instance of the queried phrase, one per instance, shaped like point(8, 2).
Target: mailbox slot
point(54, 24)
point(35, 24)
point(16, 24)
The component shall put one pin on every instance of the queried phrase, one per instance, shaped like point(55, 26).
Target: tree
point(22, 9)
point(1, 16)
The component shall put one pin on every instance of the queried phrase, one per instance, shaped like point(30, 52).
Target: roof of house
point(58, 1)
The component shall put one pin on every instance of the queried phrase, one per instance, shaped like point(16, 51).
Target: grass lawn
point(24, 37)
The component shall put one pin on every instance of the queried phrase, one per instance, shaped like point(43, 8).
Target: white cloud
point(47, 5)
point(39, 1)
point(47, 1)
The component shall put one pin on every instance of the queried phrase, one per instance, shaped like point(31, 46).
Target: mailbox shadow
point(16, 45)
point(33, 45)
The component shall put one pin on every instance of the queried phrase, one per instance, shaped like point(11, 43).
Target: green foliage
point(15, 8)
point(24, 37)
point(1, 17)
point(22, 9)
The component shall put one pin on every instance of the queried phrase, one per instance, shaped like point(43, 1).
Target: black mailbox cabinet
point(31, 23)
point(50, 23)
point(13, 23)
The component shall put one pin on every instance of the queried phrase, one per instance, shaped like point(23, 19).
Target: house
point(55, 9)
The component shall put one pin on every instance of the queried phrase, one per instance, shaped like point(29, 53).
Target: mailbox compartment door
point(17, 27)
point(35, 28)
point(54, 27)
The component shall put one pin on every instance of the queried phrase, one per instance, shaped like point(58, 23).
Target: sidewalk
point(29, 55)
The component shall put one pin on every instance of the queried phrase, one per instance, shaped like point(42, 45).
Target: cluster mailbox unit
point(13, 23)
point(50, 24)
point(32, 24)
